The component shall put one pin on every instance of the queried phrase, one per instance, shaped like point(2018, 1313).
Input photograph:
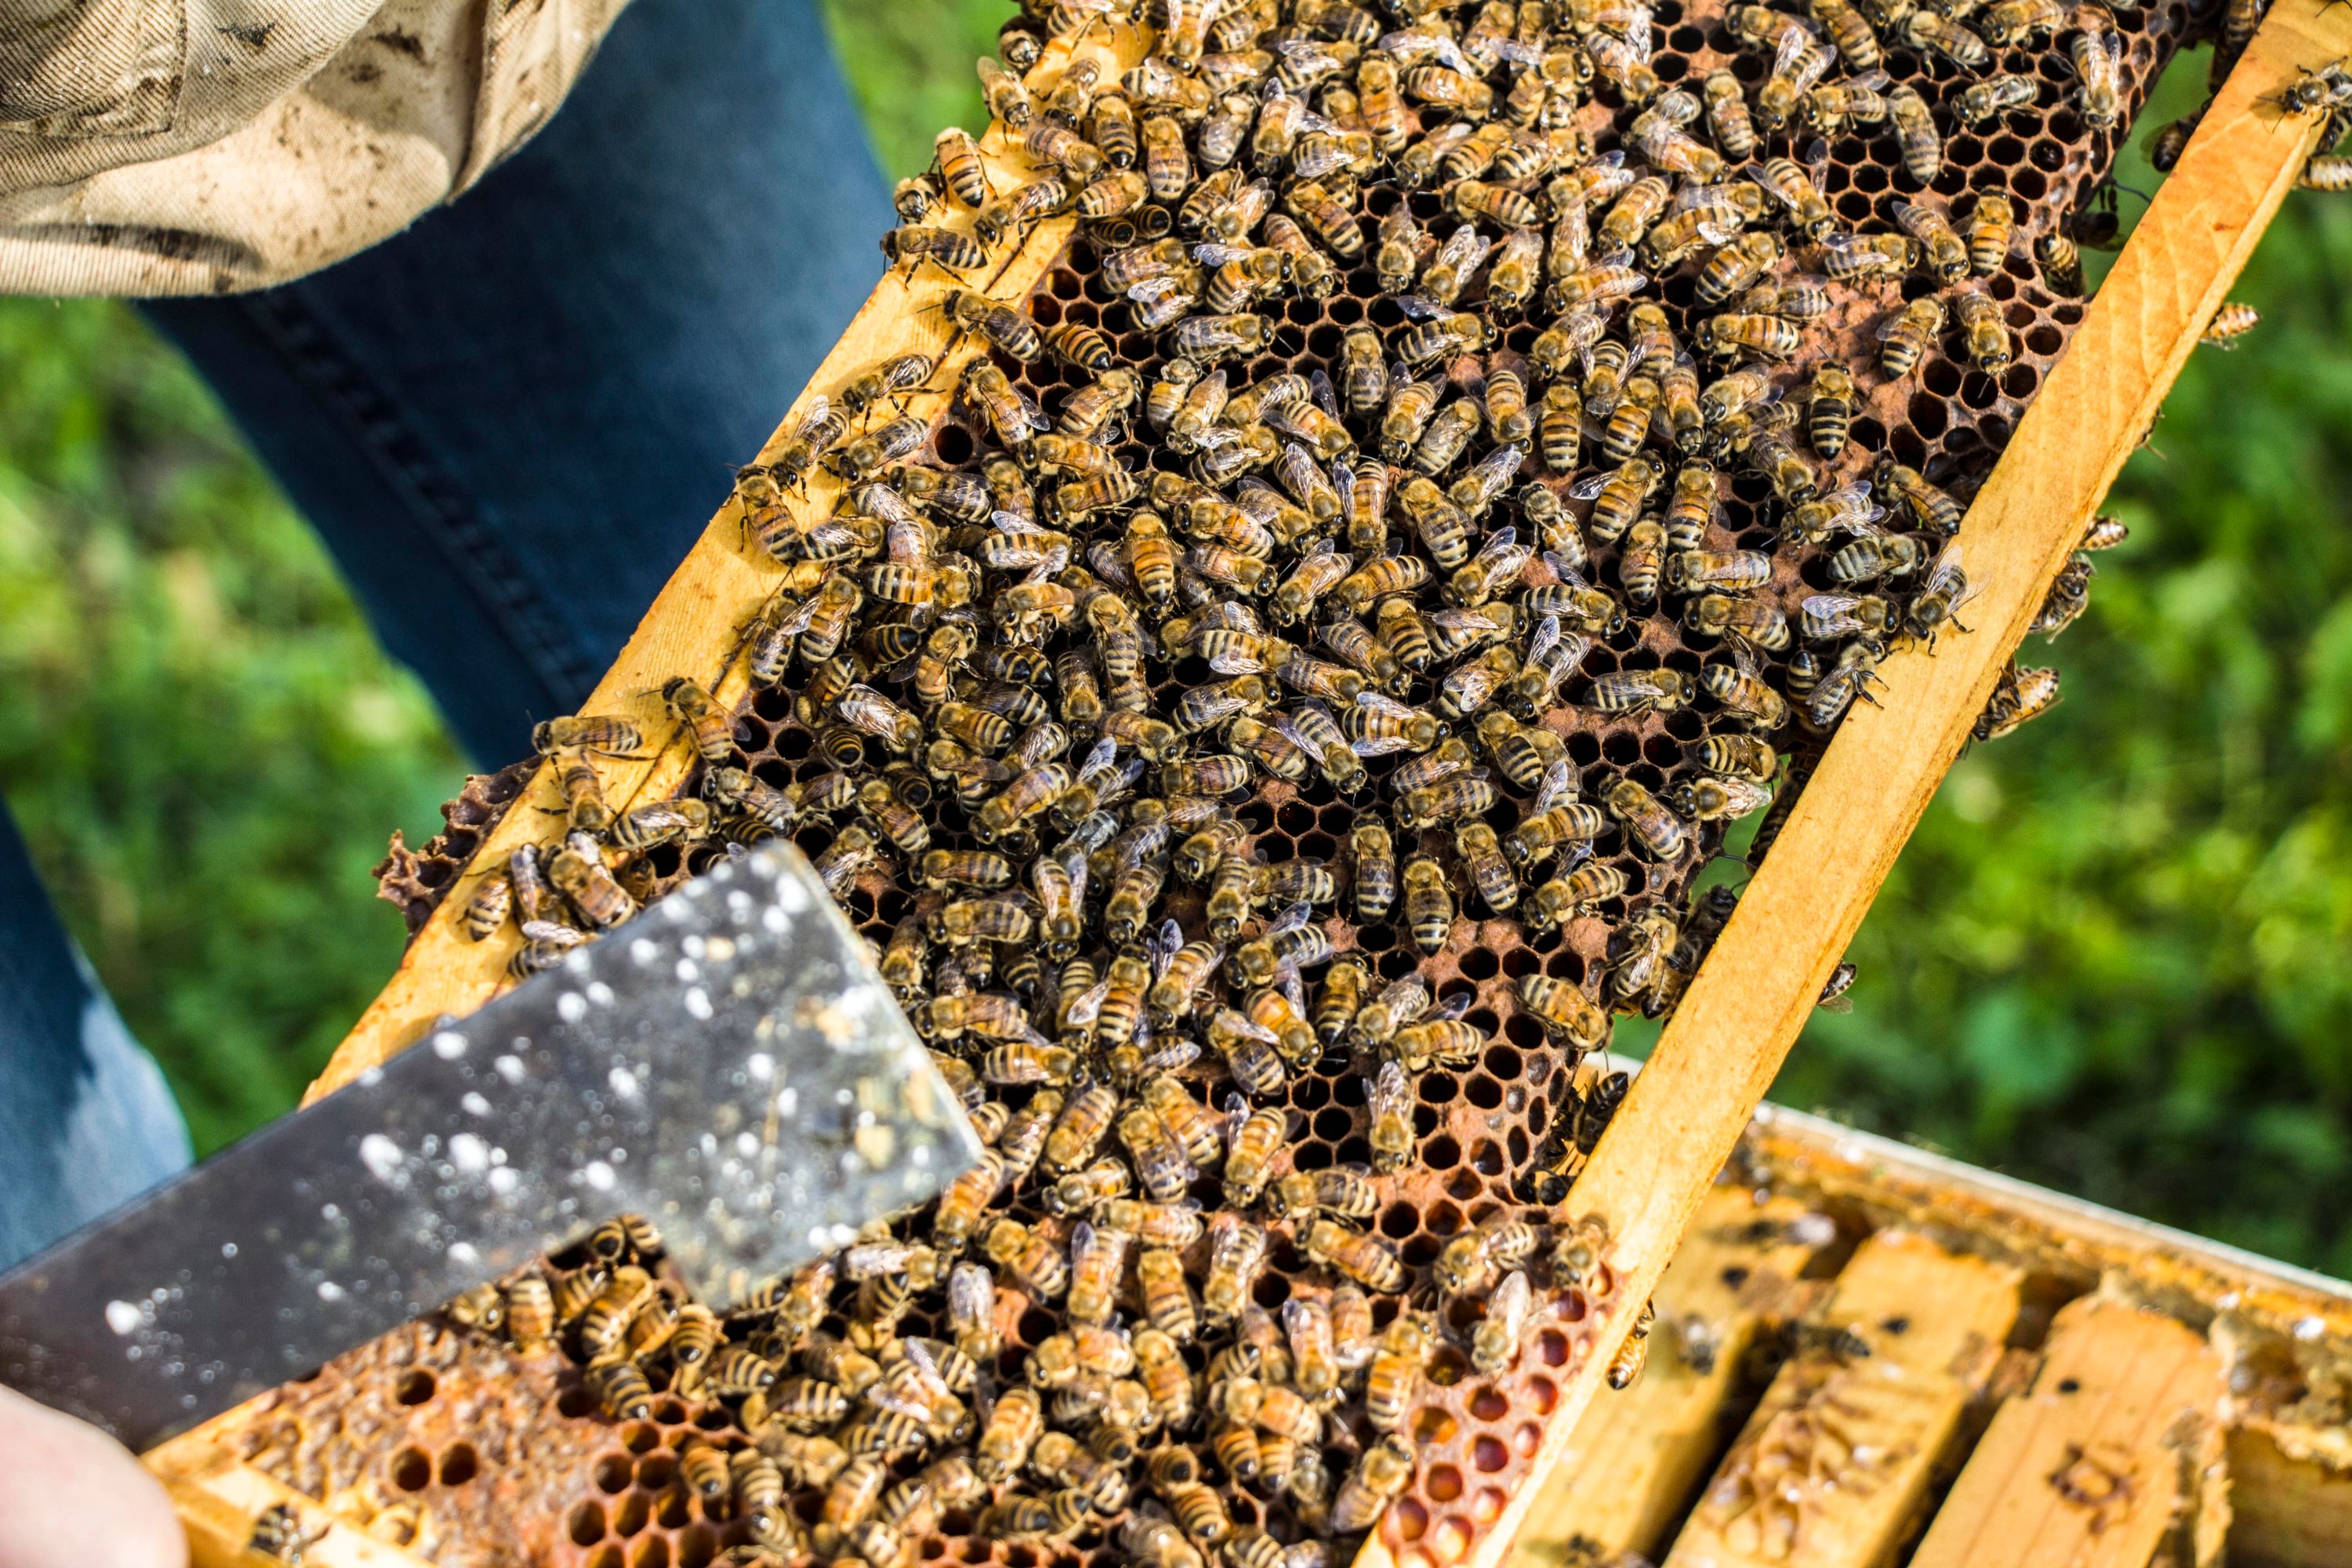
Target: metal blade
point(728, 1064)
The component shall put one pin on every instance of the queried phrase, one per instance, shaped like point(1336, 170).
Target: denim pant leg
point(85, 1119)
point(510, 422)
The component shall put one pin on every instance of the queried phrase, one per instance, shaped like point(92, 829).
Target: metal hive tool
point(606, 1495)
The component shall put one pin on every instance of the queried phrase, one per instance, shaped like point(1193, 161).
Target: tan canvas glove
point(206, 146)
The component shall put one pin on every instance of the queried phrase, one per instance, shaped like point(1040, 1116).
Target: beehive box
point(1475, 1129)
point(2070, 1348)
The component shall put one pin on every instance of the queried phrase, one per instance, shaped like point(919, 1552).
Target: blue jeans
point(509, 424)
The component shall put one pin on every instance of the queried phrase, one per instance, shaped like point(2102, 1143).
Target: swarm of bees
point(1539, 569)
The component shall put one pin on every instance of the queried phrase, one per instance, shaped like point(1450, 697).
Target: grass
point(2113, 959)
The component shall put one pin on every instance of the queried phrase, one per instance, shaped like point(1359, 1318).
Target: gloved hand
point(71, 1497)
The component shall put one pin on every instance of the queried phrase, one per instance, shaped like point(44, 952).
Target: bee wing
point(1547, 636)
point(1502, 540)
point(2114, 44)
point(1088, 1005)
point(1584, 489)
point(1389, 1093)
point(905, 541)
point(1380, 703)
point(791, 626)
point(819, 409)
point(1452, 1008)
point(1241, 1024)
point(1743, 655)
point(1512, 1298)
point(1237, 1114)
point(1559, 780)
point(1294, 990)
point(1343, 480)
point(1154, 290)
point(1325, 398)
point(971, 1293)
point(1420, 308)
point(550, 931)
point(1291, 919)
point(1461, 248)
point(1162, 946)
point(1213, 253)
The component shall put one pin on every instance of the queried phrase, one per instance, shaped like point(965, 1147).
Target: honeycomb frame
point(1466, 1157)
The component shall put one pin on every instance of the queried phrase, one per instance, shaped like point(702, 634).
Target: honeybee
point(1250, 1051)
point(601, 734)
point(2233, 320)
point(1734, 334)
point(1159, 1162)
point(1935, 32)
point(1755, 621)
point(1383, 1472)
point(2019, 695)
point(1904, 338)
point(2097, 52)
point(578, 872)
point(1928, 506)
point(620, 1390)
point(1564, 1012)
point(1633, 1351)
point(1236, 1252)
point(1984, 333)
point(279, 1534)
point(1254, 1138)
point(2010, 21)
point(1788, 183)
point(1495, 1344)
point(1004, 326)
point(1439, 336)
point(1921, 145)
point(1830, 406)
point(1388, 1100)
point(1844, 682)
point(1406, 1348)
point(1360, 1257)
point(951, 250)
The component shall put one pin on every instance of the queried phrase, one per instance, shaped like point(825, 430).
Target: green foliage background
point(2114, 959)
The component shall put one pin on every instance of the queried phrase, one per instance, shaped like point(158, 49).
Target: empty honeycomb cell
point(415, 1387)
point(411, 1469)
point(460, 1463)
